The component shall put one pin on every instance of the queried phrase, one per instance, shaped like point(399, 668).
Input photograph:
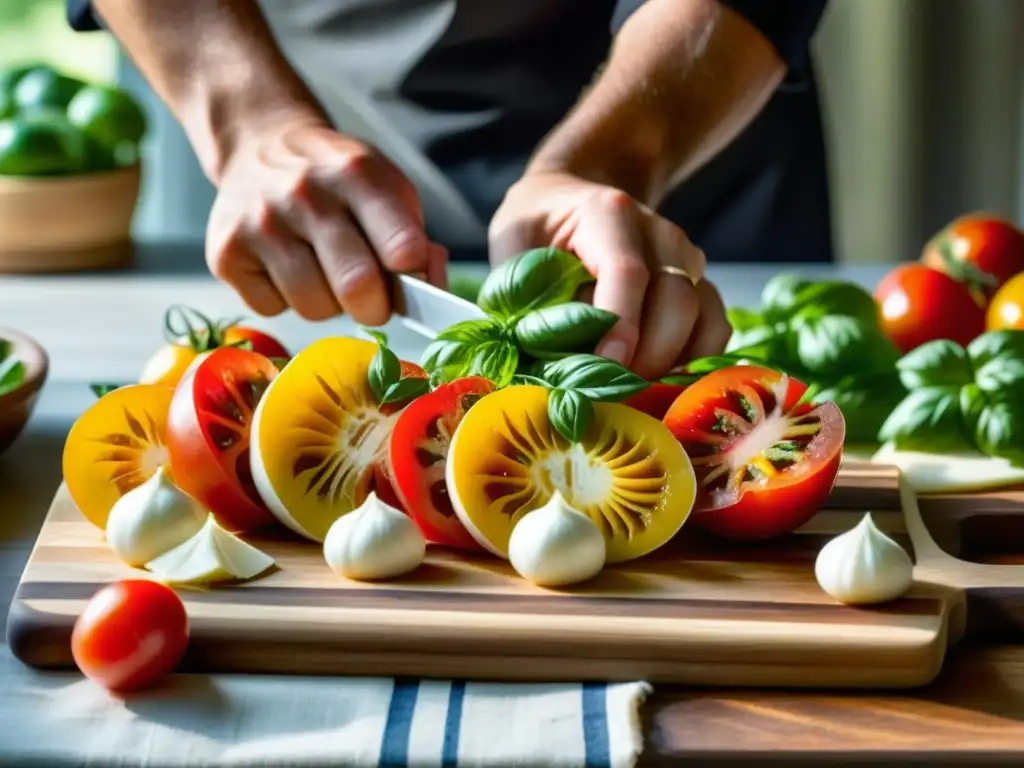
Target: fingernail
point(614, 350)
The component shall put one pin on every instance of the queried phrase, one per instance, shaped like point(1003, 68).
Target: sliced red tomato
point(982, 250)
point(418, 453)
point(765, 462)
point(261, 343)
point(656, 399)
point(919, 304)
point(208, 434)
point(130, 634)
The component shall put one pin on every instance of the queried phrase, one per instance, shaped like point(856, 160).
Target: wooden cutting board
point(698, 611)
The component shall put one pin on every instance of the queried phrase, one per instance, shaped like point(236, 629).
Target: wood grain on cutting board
point(697, 611)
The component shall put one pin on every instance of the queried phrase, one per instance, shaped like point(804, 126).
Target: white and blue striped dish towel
point(256, 720)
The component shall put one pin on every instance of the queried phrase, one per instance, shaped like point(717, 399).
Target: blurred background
point(923, 109)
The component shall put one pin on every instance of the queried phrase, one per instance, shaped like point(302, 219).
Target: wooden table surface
point(101, 327)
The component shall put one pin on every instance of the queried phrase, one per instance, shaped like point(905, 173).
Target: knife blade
point(427, 309)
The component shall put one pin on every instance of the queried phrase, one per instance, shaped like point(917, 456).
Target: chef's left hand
point(641, 262)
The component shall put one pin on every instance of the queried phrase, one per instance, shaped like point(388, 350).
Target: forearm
point(215, 64)
point(683, 80)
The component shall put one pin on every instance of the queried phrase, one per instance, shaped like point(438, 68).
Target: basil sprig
point(385, 375)
point(12, 370)
point(962, 399)
point(531, 317)
point(825, 333)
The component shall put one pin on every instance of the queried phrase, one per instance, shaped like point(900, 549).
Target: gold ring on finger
point(669, 269)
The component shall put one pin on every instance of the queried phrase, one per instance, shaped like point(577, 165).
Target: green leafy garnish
point(105, 388)
point(543, 277)
point(385, 375)
point(595, 377)
point(12, 370)
point(571, 413)
point(563, 329)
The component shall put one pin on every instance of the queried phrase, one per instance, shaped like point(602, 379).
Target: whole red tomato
point(130, 634)
point(765, 462)
point(208, 434)
point(974, 246)
point(919, 304)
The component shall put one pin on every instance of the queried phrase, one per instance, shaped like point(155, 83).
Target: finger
point(671, 310)
point(386, 207)
point(352, 270)
point(437, 266)
point(712, 331)
point(671, 247)
point(235, 264)
point(609, 244)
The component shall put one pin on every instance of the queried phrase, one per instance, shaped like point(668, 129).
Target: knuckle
point(405, 250)
point(613, 199)
point(352, 276)
point(631, 270)
point(264, 219)
point(356, 162)
point(222, 253)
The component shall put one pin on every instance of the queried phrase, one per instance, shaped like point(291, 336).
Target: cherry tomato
point(130, 634)
point(190, 335)
point(1006, 310)
point(417, 457)
point(765, 462)
point(208, 434)
point(974, 246)
point(656, 399)
point(919, 304)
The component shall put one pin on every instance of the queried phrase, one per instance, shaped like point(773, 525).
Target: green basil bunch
point(385, 375)
point(962, 399)
point(532, 321)
point(828, 335)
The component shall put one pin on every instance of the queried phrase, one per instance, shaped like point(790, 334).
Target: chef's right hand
point(310, 219)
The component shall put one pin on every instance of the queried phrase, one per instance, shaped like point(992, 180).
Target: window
point(37, 31)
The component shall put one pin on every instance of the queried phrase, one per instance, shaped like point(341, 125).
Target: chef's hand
point(309, 219)
point(641, 262)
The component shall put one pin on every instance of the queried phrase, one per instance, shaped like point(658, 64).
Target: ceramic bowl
point(67, 223)
point(16, 406)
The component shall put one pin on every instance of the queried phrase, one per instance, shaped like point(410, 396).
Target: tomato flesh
point(919, 304)
point(765, 462)
point(656, 399)
point(417, 456)
point(130, 634)
point(208, 435)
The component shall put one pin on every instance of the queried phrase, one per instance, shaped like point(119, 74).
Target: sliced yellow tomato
point(317, 436)
point(115, 446)
point(628, 473)
point(168, 365)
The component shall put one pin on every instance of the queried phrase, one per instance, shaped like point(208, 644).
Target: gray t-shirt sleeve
point(787, 24)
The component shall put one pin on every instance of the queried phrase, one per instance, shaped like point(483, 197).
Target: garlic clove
point(151, 519)
point(211, 555)
point(864, 566)
point(556, 545)
point(374, 541)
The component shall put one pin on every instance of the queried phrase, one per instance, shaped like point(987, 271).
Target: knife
point(427, 309)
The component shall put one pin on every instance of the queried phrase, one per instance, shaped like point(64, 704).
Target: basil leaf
point(1002, 378)
point(571, 413)
point(866, 403)
point(465, 287)
point(995, 344)
point(828, 344)
point(495, 360)
point(564, 329)
point(998, 432)
point(780, 296)
point(523, 379)
point(595, 377)
point(12, 370)
point(838, 298)
point(927, 420)
point(385, 368)
point(405, 389)
point(742, 319)
point(473, 332)
point(765, 342)
point(535, 279)
point(938, 363)
point(681, 379)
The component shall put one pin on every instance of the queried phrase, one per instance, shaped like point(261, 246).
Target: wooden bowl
point(16, 406)
point(67, 223)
